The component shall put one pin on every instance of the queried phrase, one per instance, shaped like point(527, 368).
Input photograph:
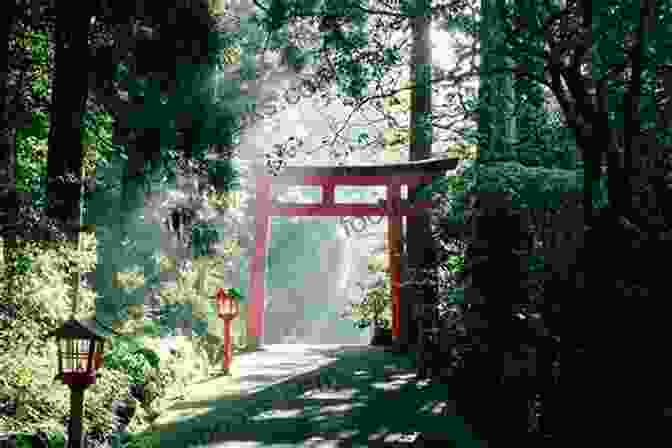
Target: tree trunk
point(7, 128)
point(66, 151)
point(9, 208)
point(419, 242)
point(495, 235)
point(70, 92)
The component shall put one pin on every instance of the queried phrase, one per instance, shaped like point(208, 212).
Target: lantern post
point(227, 310)
point(80, 354)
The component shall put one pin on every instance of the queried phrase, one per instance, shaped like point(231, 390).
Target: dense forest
point(105, 111)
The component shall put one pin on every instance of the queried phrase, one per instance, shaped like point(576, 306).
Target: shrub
point(56, 440)
point(375, 307)
point(29, 361)
point(44, 403)
point(24, 440)
point(144, 440)
point(128, 357)
point(110, 386)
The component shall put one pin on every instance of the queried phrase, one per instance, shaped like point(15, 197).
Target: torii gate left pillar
point(392, 176)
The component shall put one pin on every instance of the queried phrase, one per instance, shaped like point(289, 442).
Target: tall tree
point(70, 92)
point(66, 150)
point(8, 191)
point(495, 231)
point(166, 111)
point(149, 99)
point(22, 123)
point(608, 92)
point(419, 241)
point(7, 129)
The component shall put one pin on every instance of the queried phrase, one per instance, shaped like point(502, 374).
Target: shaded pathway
point(350, 396)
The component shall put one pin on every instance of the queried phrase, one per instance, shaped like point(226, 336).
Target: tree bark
point(419, 241)
point(70, 92)
point(496, 235)
point(7, 129)
point(9, 206)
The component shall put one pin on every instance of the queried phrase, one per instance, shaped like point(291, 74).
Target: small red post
point(227, 310)
point(228, 349)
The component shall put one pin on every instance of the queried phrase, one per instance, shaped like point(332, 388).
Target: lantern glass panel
point(75, 353)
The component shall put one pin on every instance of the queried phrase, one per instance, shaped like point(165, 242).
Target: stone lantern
point(80, 354)
point(227, 310)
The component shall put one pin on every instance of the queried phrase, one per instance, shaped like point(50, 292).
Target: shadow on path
point(365, 397)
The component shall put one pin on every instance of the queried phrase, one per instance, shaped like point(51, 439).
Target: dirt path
point(360, 397)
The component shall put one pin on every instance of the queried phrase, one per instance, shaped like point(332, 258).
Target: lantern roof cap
point(73, 328)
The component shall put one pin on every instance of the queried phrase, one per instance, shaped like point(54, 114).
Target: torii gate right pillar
point(394, 228)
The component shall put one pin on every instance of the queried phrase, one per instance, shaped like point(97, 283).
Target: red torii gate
point(393, 176)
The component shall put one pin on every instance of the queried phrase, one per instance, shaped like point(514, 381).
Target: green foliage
point(150, 356)
point(31, 160)
point(43, 300)
point(56, 440)
point(442, 184)
point(454, 296)
point(43, 403)
point(151, 329)
point(375, 307)
point(461, 23)
point(204, 235)
point(392, 56)
point(536, 263)
point(224, 175)
point(352, 77)
point(97, 129)
point(191, 298)
point(455, 263)
point(24, 440)
point(30, 361)
point(529, 186)
point(236, 294)
point(143, 440)
point(124, 356)
point(110, 386)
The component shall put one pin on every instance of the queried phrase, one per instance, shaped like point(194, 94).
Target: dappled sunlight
point(340, 408)
point(366, 377)
point(277, 413)
point(327, 413)
point(423, 384)
point(405, 377)
point(347, 405)
point(235, 444)
point(379, 434)
point(333, 440)
point(320, 442)
point(402, 439)
point(330, 395)
point(276, 372)
point(435, 407)
point(388, 386)
point(347, 434)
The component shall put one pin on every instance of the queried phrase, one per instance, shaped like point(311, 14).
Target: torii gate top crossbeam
point(391, 175)
point(362, 174)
